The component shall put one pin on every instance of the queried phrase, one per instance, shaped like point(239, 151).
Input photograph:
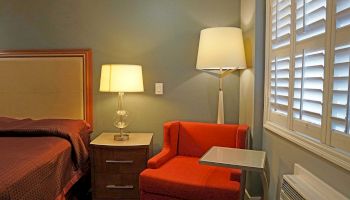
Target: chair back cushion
point(196, 138)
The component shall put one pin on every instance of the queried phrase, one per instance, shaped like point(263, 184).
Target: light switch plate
point(158, 88)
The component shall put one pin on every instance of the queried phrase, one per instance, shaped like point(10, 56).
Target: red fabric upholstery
point(171, 135)
point(175, 173)
point(183, 177)
point(197, 138)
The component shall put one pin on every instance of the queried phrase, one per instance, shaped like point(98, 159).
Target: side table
point(244, 159)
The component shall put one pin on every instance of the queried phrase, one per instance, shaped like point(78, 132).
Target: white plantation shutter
point(308, 86)
point(281, 18)
point(340, 115)
point(280, 60)
point(307, 91)
point(310, 18)
point(279, 85)
point(309, 67)
point(341, 84)
point(342, 13)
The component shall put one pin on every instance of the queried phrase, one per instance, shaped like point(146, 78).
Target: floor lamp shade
point(221, 47)
point(121, 78)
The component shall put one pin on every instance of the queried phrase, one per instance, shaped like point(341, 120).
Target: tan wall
point(251, 80)
point(246, 96)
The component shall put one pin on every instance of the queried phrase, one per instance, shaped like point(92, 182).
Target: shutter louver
point(310, 18)
point(281, 18)
point(342, 13)
point(308, 86)
point(279, 85)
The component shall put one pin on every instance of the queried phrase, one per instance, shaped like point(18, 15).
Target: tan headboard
point(46, 84)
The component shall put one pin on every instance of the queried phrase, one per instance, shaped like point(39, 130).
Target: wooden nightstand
point(116, 165)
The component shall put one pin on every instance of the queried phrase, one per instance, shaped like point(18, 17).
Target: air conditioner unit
point(303, 185)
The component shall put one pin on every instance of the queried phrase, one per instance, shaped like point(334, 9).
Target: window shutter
point(308, 86)
point(342, 13)
point(279, 85)
point(307, 90)
point(310, 18)
point(309, 67)
point(340, 116)
point(341, 85)
point(280, 61)
point(281, 23)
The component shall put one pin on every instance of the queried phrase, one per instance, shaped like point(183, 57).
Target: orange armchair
point(175, 173)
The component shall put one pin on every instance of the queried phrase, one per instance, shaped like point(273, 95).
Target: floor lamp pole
point(221, 119)
point(221, 76)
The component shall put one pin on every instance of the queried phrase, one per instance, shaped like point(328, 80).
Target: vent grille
point(289, 193)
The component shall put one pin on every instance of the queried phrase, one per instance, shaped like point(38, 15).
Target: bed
point(45, 122)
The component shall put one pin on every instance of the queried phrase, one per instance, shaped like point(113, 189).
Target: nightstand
point(116, 165)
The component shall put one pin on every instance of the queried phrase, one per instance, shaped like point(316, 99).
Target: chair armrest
point(171, 136)
point(162, 157)
point(242, 136)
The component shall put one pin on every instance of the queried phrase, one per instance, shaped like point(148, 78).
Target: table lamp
point(221, 48)
point(121, 78)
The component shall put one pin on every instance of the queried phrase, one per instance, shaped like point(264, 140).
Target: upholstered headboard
point(46, 84)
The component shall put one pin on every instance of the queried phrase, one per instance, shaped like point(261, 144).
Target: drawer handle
point(119, 186)
point(120, 161)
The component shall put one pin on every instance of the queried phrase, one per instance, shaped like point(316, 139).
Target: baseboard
point(248, 197)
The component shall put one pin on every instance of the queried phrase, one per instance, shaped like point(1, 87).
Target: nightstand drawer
point(115, 186)
point(119, 161)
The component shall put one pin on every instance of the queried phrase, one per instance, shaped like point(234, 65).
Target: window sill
point(322, 150)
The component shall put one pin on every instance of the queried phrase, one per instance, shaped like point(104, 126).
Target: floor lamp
point(221, 48)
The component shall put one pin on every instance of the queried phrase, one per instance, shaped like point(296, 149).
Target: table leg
point(265, 184)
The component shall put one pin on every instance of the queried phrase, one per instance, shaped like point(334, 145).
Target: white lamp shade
point(221, 47)
point(121, 78)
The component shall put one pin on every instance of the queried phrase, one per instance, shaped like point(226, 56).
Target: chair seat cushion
point(183, 177)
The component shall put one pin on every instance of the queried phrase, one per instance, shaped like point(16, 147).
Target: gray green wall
point(160, 35)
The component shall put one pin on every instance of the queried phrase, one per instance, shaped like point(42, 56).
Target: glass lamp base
point(121, 137)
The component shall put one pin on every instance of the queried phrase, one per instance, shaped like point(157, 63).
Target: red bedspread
point(39, 158)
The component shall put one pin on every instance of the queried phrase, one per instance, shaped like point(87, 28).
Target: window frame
point(283, 125)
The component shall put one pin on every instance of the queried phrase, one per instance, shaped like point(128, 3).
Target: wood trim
point(89, 86)
point(268, 52)
point(86, 54)
point(39, 52)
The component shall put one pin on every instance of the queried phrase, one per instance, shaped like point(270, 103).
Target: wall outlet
point(158, 88)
